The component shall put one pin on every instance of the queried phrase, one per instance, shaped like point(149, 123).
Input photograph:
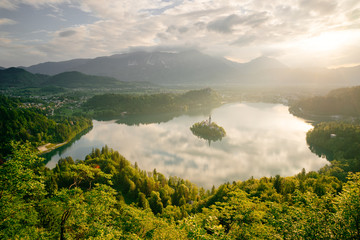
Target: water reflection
point(63, 149)
point(148, 119)
point(262, 140)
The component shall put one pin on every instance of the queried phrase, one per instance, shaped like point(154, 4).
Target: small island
point(208, 130)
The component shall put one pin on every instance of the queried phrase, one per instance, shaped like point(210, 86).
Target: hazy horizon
point(301, 33)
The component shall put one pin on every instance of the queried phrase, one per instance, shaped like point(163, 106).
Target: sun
point(327, 41)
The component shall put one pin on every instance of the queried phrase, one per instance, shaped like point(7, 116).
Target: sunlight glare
point(327, 41)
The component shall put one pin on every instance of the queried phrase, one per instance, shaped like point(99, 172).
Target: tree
point(155, 202)
point(348, 209)
point(21, 191)
point(278, 184)
point(142, 201)
point(84, 173)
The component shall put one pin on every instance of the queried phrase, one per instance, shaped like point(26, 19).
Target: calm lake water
point(262, 140)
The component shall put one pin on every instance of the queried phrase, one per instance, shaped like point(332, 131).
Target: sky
point(299, 33)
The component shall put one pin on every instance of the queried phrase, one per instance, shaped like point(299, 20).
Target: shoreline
point(316, 118)
point(48, 147)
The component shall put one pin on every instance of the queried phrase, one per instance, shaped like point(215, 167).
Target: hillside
point(106, 197)
point(53, 68)
point(80, 80)
point(343, 101)
point(17, 77)
point(261, 63)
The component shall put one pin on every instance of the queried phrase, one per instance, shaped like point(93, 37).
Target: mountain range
point(18, 77)
point(195, 68)
point(155, 67)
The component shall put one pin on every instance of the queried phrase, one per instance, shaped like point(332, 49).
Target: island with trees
point(208, 130)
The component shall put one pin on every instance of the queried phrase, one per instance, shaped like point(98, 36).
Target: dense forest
point(23, 124)
point(343, 101)
point(105, 197)
point(112, 105)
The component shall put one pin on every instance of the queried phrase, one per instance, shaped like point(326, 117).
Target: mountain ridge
point(75, 79)
point(18, 77)
point(192, 67)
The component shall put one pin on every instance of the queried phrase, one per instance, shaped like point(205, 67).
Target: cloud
point(8, 4)
point(13, 49)
point(67, 33)
point(226, 24)
point(164, 48)
point(354, 14)
point(244, 40)
point(124, 10)
point(249, 26)
point(7, 21)
point(162, 9)
point(14, 4)
point(319, 6)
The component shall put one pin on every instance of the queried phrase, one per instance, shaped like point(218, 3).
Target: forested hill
point(105, 197)
point(17, 77)
point(343, 101)
point(80, 80)
point(20, 124)
point(76, 80)
point(114, 104)
point(339, 142)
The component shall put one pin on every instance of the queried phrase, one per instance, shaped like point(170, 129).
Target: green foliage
point(21, 190)
point(347, 204)
point(155, 202)
point(105, 166)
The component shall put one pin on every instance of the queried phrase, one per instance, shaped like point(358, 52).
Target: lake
point(262, 140)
